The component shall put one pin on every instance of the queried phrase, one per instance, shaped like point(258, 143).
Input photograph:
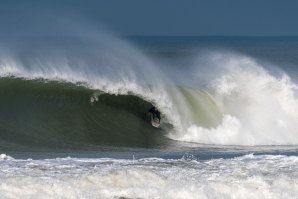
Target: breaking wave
point(98, 90)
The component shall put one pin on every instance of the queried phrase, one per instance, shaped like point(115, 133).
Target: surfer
point(155, 113)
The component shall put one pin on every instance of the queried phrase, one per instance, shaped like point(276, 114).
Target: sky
point(163, 17)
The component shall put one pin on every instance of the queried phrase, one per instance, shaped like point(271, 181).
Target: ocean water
point(74, 122)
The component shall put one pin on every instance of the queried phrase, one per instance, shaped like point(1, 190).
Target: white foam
point(5, 157)
point(244, 177)
point(259, 108)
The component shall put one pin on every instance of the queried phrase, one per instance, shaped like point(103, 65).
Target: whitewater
point(243, 177)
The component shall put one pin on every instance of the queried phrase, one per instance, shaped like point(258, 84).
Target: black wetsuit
point(155, 113)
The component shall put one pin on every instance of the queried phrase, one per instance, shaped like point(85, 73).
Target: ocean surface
point(74, 122)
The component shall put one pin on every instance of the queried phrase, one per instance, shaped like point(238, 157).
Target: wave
point(41, 113)
point(224, 98)
point(53, 86)
point(51, 114)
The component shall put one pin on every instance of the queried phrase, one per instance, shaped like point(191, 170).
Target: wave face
point(51, 114)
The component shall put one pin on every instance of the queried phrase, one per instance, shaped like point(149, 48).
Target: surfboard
point(155, 122)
